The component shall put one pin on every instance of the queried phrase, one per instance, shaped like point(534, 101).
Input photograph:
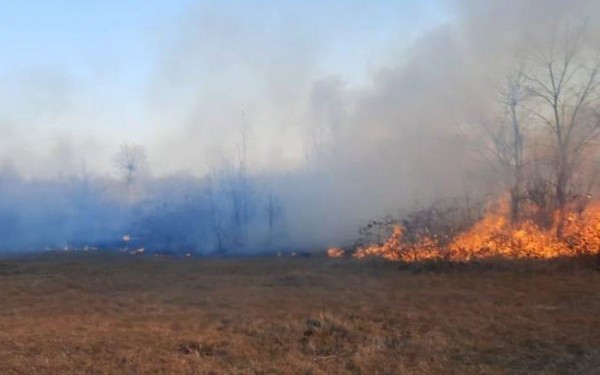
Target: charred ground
point(105, 313)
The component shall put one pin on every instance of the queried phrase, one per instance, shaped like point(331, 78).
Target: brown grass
point(118, 314)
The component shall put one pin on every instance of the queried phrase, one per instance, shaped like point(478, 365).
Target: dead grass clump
point(198, 349)
point(325, 336)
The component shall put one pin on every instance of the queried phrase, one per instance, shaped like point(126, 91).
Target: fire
point(396, 249)
point(494, 236)
point(335, 252)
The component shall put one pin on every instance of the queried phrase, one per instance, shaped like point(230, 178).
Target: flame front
point(494, 236)
point(335, 252)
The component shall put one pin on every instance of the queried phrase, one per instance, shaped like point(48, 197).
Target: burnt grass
point(100, 313)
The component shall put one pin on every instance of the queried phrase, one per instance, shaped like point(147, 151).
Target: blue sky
point(81, 34)
point(95, 67)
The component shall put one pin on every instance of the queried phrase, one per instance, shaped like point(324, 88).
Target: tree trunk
point(561, 199)
point(515, 192)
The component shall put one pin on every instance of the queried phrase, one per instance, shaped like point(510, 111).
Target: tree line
point(227, 210)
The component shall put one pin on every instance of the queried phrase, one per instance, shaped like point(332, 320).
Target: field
point(92, 313)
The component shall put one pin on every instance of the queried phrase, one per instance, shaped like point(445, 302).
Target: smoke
point(402, 138)
point(339, 118)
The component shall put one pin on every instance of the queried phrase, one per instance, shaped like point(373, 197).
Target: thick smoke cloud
point(236, 98)
point(406, 136)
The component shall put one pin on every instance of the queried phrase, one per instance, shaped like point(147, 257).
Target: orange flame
point(495, 237)
point(335, 252)
point(396, 249)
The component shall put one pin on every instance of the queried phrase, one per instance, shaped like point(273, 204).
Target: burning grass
point(114, 314)
point(494, 236)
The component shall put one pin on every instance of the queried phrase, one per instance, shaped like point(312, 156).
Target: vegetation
point(99, 313)
point(544, 142)
point(229, 209)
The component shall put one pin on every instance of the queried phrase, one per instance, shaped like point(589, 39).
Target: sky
point(182, 77)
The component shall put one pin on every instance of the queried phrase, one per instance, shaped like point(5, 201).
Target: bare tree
point(241, 198)
point(130, 161)
point(506, 135)
point(513, 99)
point(215, 215)
point(509, 141)
point(565, 82)
point(273, 213)
point(233, 182)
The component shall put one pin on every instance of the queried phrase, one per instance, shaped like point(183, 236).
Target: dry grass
point(117, 314)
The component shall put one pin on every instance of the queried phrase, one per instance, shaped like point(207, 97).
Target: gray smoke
point(240, 108)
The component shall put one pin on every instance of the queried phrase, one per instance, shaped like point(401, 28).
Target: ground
point(92, 313)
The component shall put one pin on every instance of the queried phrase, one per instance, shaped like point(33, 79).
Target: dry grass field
point(90, 313)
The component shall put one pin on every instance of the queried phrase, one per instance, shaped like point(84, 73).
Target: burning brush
point(493, 236)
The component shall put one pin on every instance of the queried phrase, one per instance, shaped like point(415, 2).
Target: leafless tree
point(273, 213)
point(241, 192)
point(215, 215)
point(509, 142)
point(506, 134)
point(565, 83)
point(130, 161)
